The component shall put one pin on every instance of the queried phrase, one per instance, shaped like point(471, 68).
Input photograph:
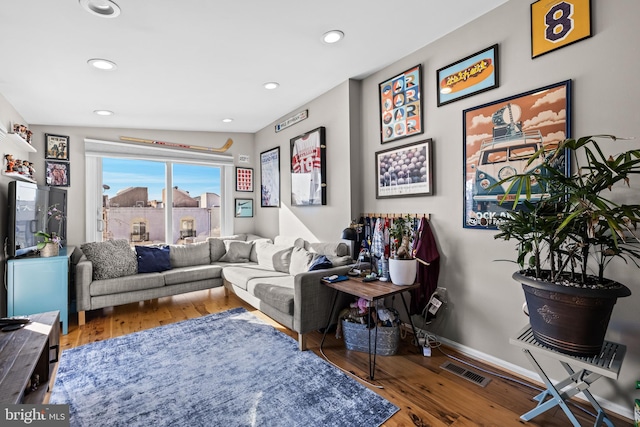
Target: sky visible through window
point(122, 173)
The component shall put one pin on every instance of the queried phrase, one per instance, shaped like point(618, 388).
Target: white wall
point(313, 223)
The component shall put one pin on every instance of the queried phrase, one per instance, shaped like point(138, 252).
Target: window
point(135, 200)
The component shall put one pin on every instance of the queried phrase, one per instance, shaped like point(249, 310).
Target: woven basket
point(356, 337)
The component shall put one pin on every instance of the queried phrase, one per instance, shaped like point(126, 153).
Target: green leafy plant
point(52, 213)
point(401, 234)
point(577, 222)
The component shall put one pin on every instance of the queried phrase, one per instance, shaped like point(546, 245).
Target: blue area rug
point(224, 369)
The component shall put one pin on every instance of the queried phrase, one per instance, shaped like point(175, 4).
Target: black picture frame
point(476, 73)
point(270, 178)
point(405, 171)
point(56, 147)
point(498, 136)
point(400, 102)
point(243, 208)
point(244, 180)
point(308, 168)
point(58, 174)
point(558, 24)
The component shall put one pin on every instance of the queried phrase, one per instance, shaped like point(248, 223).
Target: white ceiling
point(186, 65)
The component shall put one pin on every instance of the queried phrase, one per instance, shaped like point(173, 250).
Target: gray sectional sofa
point(272, 276)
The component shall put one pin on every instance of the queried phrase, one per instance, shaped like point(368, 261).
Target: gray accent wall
point(484, 307)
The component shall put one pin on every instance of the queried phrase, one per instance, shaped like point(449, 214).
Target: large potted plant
point(402, 263)
point(566, 240)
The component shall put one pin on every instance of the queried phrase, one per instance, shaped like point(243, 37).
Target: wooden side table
point(370, 291)
point(607, 364)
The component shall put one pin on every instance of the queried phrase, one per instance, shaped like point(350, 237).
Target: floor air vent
point(468, 375)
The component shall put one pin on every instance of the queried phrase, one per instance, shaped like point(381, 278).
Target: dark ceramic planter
point(569, 319)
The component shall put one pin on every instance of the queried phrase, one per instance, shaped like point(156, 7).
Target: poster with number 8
point(558, 23)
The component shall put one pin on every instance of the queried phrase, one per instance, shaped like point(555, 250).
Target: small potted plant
point(402, 263)
point(51, 243)
point(566, 240)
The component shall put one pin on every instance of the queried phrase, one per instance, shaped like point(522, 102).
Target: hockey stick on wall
point(222, 149)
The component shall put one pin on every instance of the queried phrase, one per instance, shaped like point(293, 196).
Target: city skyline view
point(119, 174)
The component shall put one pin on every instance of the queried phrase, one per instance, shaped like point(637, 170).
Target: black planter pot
point(569, 319)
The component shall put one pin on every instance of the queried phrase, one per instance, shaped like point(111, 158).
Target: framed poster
point(56, 147)
point(500, 137)
point(244, 208)
point(558, 23)
point(405, 171)
point(308, 169)
point(57, 174)
point(244, 179)
point(400, 108)
point(270, 178)
point(474, 74)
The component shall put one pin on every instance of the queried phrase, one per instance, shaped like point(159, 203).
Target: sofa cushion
point(273, 257)
point(328, 248)
point(126, 284)
point(301, 259)
point(278, 297)
point(236, 251)
point(192, 273)
point(186, 255)
point(153, 259)
point(241, 275)
point(216, 248)
point(254, 255)
point(111, 258)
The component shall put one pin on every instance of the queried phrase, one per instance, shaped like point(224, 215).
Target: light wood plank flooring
point(426, 394)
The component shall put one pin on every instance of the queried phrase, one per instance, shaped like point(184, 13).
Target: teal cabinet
point(37, 285)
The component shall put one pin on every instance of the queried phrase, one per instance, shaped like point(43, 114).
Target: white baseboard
point(508, 367)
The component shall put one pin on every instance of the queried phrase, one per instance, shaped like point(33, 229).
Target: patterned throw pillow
point(111, 259)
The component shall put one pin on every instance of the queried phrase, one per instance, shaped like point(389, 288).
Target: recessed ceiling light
point(103, 8)
point(102, 64)
point(103, 112)
point(271, 85)
point(332, 36)
point(228, 120)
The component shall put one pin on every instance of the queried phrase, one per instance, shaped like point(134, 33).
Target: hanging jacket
point(425, 249)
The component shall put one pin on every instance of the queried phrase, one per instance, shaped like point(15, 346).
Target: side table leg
point(413, 328)
point(334, 300)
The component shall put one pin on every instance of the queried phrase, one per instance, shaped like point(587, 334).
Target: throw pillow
point(320, 263)
point(153, 259)
point(301, 260)
point(111, 259)
point(254, 254)
point(188, 255)
point(273, 257)
point(237, 251)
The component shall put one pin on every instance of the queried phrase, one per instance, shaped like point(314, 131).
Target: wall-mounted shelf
point(18, 175)
point(20, 143)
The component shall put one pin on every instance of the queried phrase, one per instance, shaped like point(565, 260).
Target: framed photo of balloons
point(405, 171)
point(400, 105)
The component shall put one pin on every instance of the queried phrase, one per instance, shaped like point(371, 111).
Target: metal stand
point(607, 364)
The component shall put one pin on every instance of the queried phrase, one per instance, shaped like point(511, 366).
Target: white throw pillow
point(301, 259)
point(273, 257)
point(237, 251)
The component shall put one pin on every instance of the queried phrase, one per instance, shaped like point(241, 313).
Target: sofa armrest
point(312, 299)
point(83, 279)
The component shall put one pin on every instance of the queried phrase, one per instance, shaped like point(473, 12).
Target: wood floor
point(426, 394)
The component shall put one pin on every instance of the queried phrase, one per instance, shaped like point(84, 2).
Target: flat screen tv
point(28, 207)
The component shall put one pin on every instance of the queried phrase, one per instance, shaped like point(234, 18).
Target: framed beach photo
point(270, 178)
point(471, 75)
point(244, 179)
point(499, 139)
point(308, 169)
point(57, 174)
point(400, 105)
point(558, 23)
point(405, 171)
point(56, 147)
point(243, 208)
